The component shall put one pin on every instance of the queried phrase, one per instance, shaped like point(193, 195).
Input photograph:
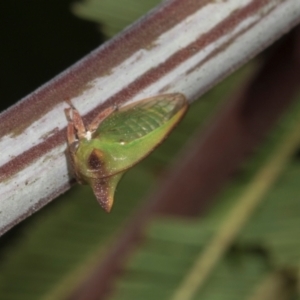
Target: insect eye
point(74, 146)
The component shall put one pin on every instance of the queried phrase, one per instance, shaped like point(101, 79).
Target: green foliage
point(113, 15)
point(276, 226)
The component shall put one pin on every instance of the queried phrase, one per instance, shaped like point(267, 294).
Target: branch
point(183, 46)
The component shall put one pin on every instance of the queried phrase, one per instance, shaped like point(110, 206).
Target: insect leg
point(99, 118)
point(71, 137)
point(76, 120)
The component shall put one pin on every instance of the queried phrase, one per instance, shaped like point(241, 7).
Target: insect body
point(119, 138)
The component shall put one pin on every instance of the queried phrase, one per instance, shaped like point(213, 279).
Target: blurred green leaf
point(113, 16)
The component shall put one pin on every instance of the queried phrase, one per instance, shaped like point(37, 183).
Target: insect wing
point(132, 132)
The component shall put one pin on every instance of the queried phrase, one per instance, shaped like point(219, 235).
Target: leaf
point(113, 15)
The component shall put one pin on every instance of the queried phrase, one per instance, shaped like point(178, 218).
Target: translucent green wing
point(136, 120)
point(132, 132)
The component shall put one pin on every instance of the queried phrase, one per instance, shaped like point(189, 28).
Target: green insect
point(117, 139)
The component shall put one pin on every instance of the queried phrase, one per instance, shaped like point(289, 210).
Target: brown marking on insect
point(101, 190)
point(95, 161)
